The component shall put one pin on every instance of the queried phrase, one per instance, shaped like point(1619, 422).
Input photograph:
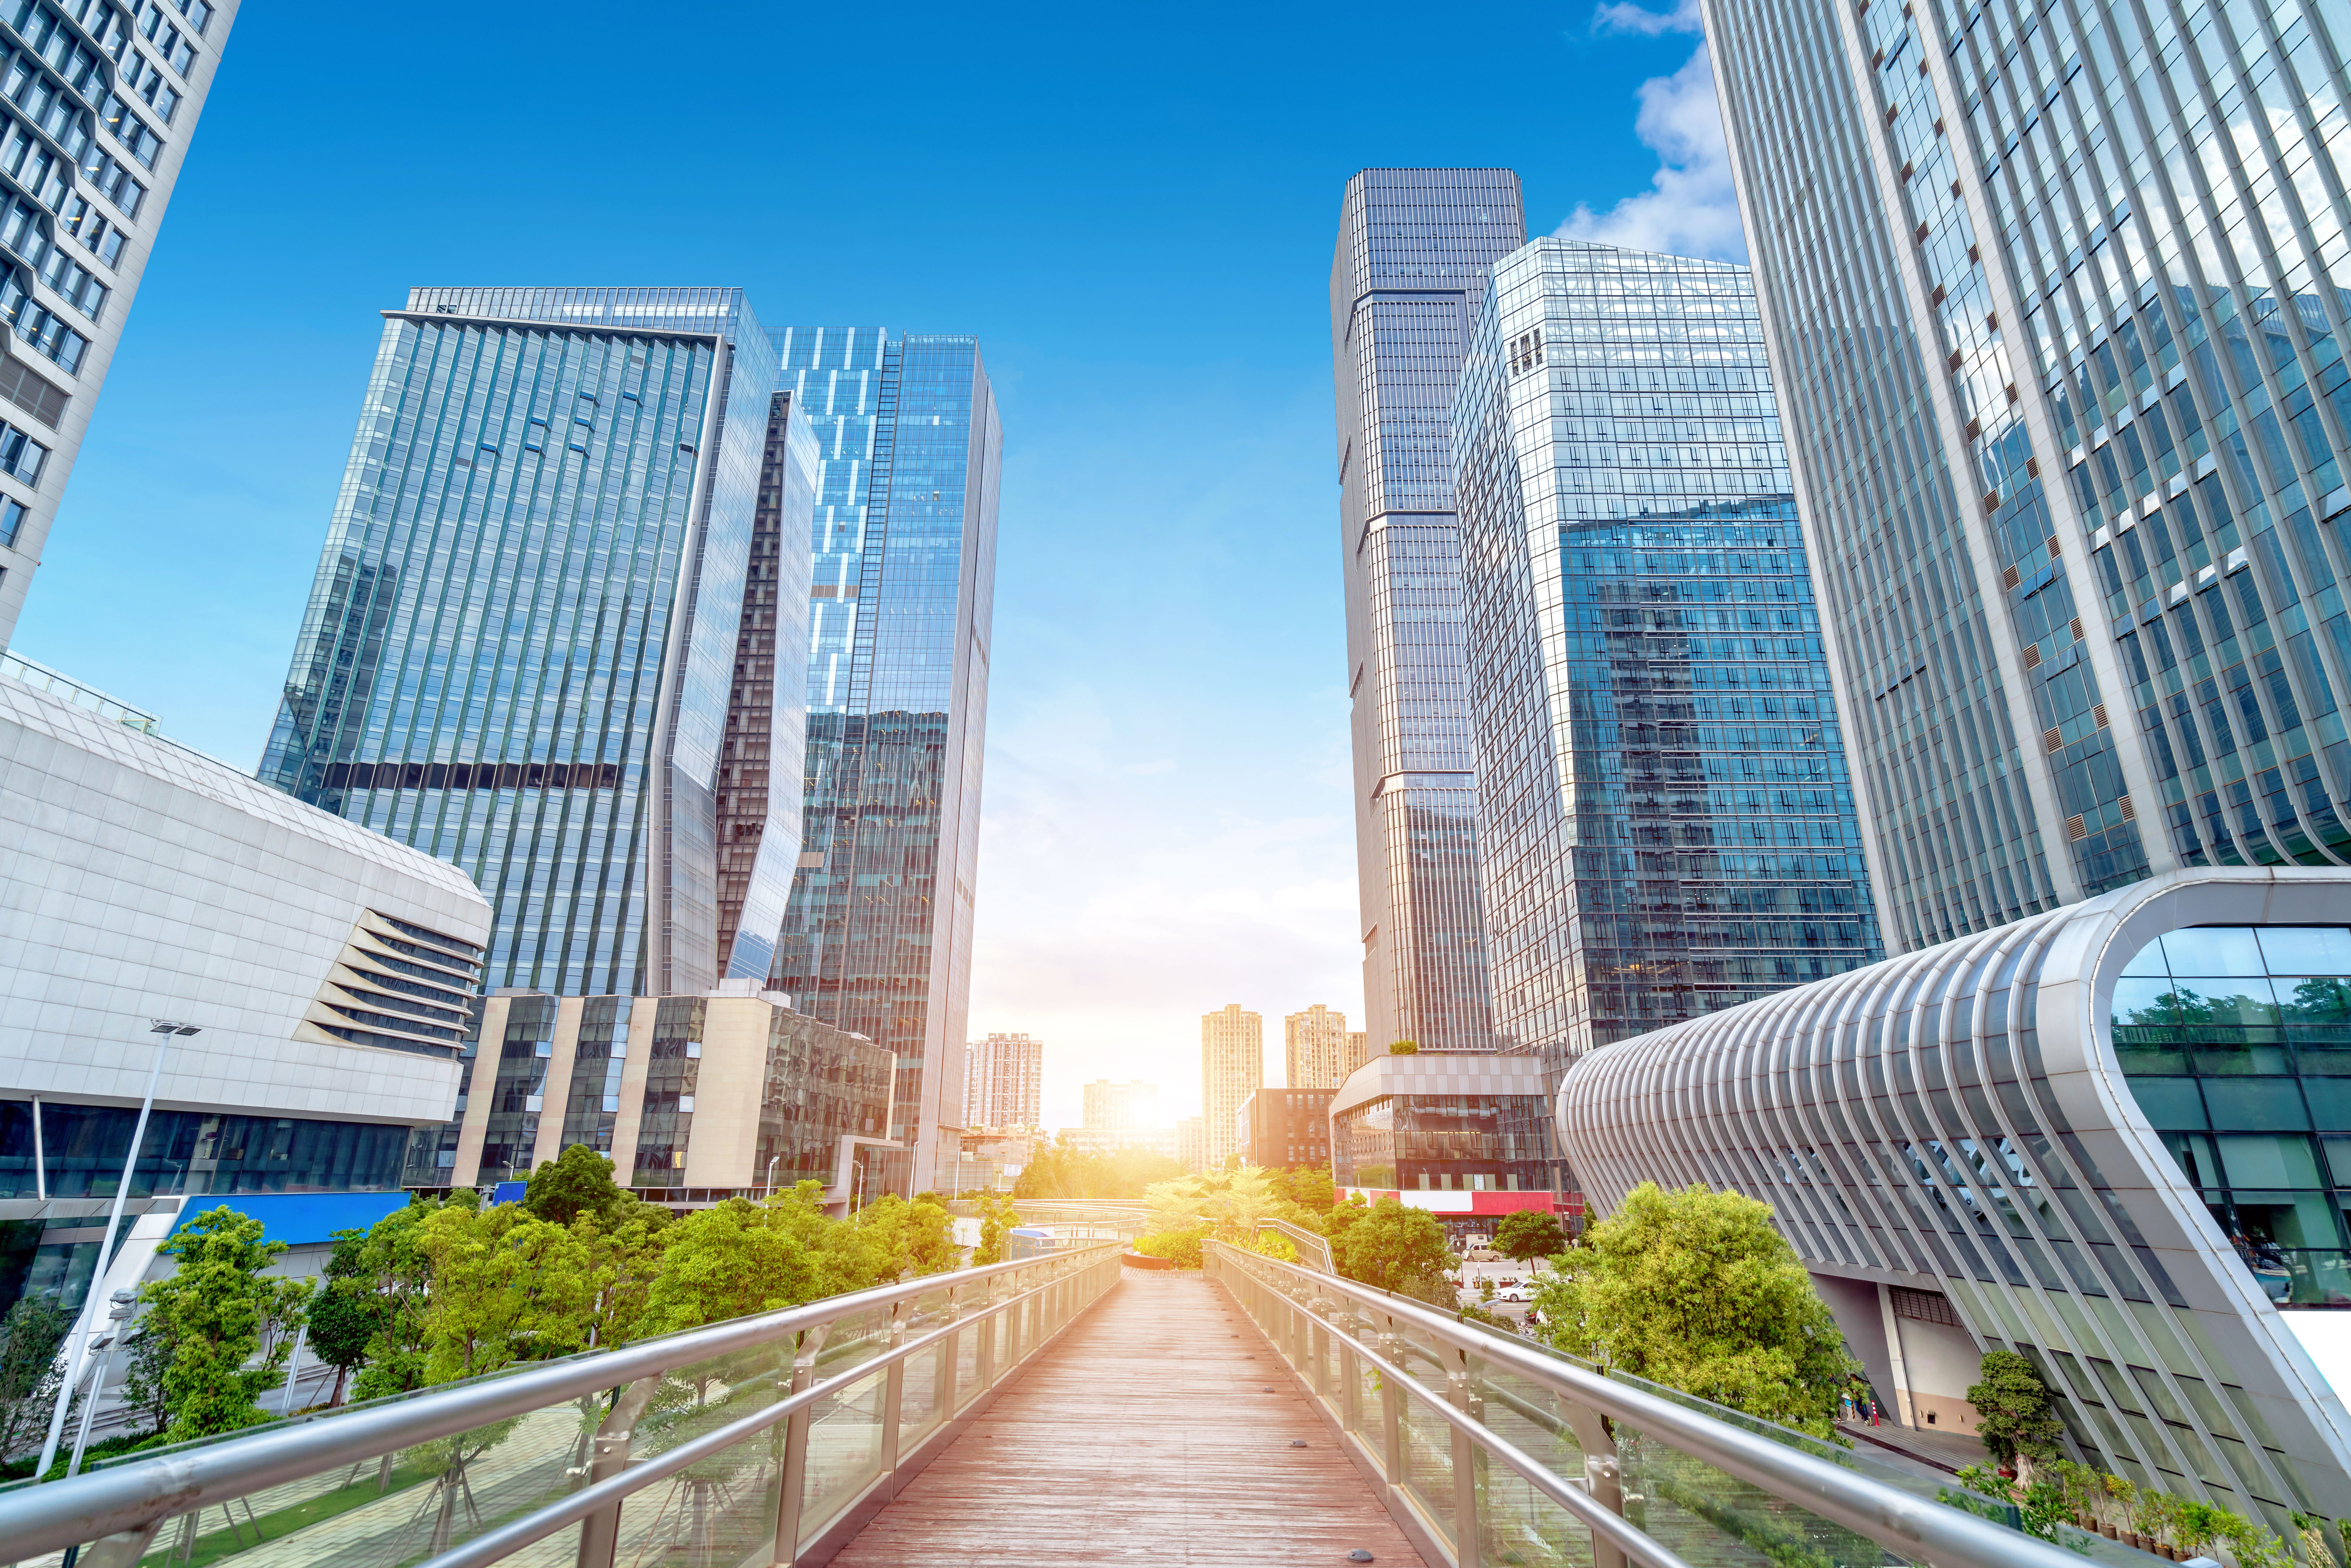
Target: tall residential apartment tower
point(1664, 823)
point(2056, 304)
point(100, 102)
point(521, 647)
point(1412, 251)
point(877, 939)
point(1004, 1084)
point(1232, 1067)
point(1314, 1048)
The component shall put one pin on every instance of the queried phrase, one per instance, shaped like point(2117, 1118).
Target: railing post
point(1465, 1468)
point(1351, 1389)
point(1391, 1407)
point(985, 1328)
point(943, 1382)
point(600, 1532)
point(793, 1478)
point(893, 1395)
point(124, 1548)
point(1601, 1477)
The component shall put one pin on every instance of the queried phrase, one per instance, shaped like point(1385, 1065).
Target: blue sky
point(1132, 210)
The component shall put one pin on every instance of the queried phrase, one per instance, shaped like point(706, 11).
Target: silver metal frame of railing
point(1295, 1308)
point(121, 1508)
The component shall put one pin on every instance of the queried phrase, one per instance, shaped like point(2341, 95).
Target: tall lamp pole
point(77, 1348)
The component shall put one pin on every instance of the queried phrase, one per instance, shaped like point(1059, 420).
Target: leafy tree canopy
point(30, 1369)
point(741, 1257)
point(1308, 1186)
point(1529, 1234)
point(216, 1310)
point(507, 1287)
point(1696, 1290)
point(2012, 1409)
point(1404, 1047)
point(997, 1219)
point(579, 1180)
point(1227, 1203)
point(1395, 1248)
point(913, 1239)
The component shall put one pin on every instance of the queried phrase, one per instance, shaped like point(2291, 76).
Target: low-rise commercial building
point(1285, 1127)
point(2114, 1138)
point(694, 1099)
point(1454, 1132)
point(325, 971)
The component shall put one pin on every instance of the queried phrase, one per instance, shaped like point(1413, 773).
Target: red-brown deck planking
point(1145, 1436)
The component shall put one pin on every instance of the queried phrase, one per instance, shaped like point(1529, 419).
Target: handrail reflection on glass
point(135, 1492)
point(1913, 1527)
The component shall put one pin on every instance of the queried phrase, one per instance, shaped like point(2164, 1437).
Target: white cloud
point(1621, 18)
point(1692, 207)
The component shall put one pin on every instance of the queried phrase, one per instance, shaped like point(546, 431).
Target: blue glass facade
point(520, 651)
point(1412, 251)
point(878, 936)
point(1666, 826)
point(2058, 300)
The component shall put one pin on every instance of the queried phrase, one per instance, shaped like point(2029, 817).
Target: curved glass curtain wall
point(2237, 1042)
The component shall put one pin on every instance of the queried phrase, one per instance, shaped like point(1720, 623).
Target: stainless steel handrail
point(129, 1497)
point(1911, 1526)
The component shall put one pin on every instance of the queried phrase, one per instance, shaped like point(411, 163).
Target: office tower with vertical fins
point(1666, 826)
point(99, 105)
point(877, 938)
point(521, 650)
point(2056, 304)
point(1410, 265)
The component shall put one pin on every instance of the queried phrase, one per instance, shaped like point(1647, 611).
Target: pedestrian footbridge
point(1062, 1410)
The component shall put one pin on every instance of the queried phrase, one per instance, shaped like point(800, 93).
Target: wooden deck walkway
point(1147, 1435)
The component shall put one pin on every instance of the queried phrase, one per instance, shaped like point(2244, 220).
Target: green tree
point(2013, 1412)
point(577, 1181)
point(738, 1257)
point(394, 1273)
point(915, 1238)
point(1228, 1202)
point(507, 1287)
point(1696, 1290)
point(31, 1371)
point(343, 1315)
point(1397, 1248)
point(997, 1219)
point(1529, 1234)
point(220, 1309)
point(1404, 1047)
point(625, 1251)
point(1310, 1187)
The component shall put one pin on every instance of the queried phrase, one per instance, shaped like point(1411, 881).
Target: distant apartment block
point(1232, 1067)
point(1314, 1048)
point(1004, 1082)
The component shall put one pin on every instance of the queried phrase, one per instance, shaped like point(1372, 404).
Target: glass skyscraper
point(1412, 251)
point(2057, 304)
point(98, 104)
point(522, 649)
point(878, 936)
point(1664, 823)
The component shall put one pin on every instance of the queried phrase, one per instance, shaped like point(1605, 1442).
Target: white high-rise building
point(1314, 1048)
point(1004, 1079)
point(1232, 1067)
point(98, 116)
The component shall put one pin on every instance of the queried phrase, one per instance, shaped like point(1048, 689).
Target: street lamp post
point(771, 1173)
point(77, 1349)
